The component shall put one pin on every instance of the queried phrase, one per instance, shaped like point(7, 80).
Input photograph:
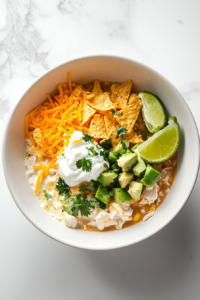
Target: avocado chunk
point(135, 147)
point(135, 190)
point(112, 157)
point(150, 177)
point(139, 167)
point(119, 147)
point(102, 194)
point(107, 177)
point(124, 179)
point(121, 195)
point(127, 161)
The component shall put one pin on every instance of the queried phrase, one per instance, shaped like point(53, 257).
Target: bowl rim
point(75, 245)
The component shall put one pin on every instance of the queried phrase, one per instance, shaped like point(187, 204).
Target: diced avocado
point(119, 147)
point(121, 195)
point(127, 161)
point(107, 177)
point(133, 149)
point(112, 157)
point(150, 177)
point(102, 194)
point(124, 179)
point(139, 167)
point(135, 190)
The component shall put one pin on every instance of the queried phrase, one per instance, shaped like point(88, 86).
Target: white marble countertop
point(36, 35)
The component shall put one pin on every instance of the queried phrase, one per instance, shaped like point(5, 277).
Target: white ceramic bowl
point(84, 70)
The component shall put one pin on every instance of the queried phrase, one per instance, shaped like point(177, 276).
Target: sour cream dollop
point(73, 152)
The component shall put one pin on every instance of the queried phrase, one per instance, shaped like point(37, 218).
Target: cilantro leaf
point(106, 167)
point(84, 208)
point(94, 202)
point(115, 183)
point(78, 203)
point(87, 138)
point(65, 199)
point(105, 154)
point(107, 144)
point(120, 131)
point(91, 151)
point(116, 168)
point(123, 144)
point(46, 194)
point(63, 188)
point(79, 198)
point(144, 135)
point(68, 207)
point(98, 146)
point(116, 112)
point(122, 152)
point(85, 164)
point(111, 193)
point(91, 187)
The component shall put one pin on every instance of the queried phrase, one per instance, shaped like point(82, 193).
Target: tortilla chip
point(89, 96)
point(101, 102)
point(130, 113)
point(110, 121)
point(97, 88)
point(88, 112)
point(102, 112)
point(112, 134)
point(119, 93)
point(132, 98)
point(98, 127)
point(133, 137)
point(77, 91)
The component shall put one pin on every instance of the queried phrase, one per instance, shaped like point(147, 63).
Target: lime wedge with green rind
point(153, 112)
point(162, 145)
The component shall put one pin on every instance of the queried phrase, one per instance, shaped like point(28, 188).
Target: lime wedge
point(153, 112)
point(162, 145)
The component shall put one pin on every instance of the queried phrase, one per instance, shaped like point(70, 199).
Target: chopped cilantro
point(106, 167)
point(46, 194)
point(98, 146)
point(122, 152)
point(65, 199)
point(85, 164)
point(116, 112)
point(116, 168)
point(91, 187)
point(80, 202)
point(105, 154)
point(111, 193)
point(144, 135)
point(120, 131)
point(123, 144)
point(107, 144)
point(91, 151)
point(94, 202)
point(77, 203)
point(63, 188)
point(87, 138)
point(115, 183)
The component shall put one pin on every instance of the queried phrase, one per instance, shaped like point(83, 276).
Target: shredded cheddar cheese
point(114, 208)
point(77, 141)
point(50, 125)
